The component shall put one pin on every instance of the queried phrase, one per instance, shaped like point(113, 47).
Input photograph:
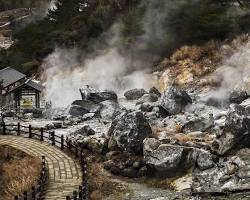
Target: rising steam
point(234, 73)
point(64, 75)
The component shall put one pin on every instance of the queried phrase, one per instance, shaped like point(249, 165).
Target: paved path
point(64, 172)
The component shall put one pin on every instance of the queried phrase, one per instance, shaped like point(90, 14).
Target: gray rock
point(205, 160)
point(165, 158)
point(134, 94)
point(90, 106)
point(155, 91)
point(238, 97)
point(88, 116)
point(77, 111)
point(128, 130)
point(199, 123)
point(57, 124)
point(236, 131)
point(97, 96)
point(174, 100)
point(109, 109)
point(86, 130)
point(147, 98)
point(54, 113)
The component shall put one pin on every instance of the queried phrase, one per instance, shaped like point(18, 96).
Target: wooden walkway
point(64, 173)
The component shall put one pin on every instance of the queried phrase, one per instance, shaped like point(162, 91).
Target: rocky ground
point(177, 131)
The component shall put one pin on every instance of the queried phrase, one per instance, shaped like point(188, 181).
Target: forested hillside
point(82, 24)
point(14, 4)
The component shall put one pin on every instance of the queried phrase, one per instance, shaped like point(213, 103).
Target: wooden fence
point(59, 141)
point(37, 191)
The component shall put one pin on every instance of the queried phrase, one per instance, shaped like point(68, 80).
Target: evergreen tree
point(66, 9)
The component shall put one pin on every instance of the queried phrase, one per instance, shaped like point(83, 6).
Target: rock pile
point(170, 134)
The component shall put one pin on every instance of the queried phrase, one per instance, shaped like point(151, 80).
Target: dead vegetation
point(18, 172)
point(191, 63)
point(182, 138)
point(100, 183)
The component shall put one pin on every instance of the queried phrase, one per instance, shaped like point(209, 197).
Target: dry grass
point(100, 182)
point(157, 130)
point(18, 171)
point(184, 138)
point(161, 183)
point(190, 62)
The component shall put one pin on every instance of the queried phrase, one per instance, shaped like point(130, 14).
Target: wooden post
point(62, 142)
point(81, 157)
point(18, 129)
point(84, 196)
point(16, 198)
point(69, 145)
point(68, 198)
point(30, 131)
point(4, 128)
point(43, 161)
point(33, 194)
point(53, 138)
point(25, 196)
point(80, 193)
point(75, 195)
point(76, 151)
point(41, 139)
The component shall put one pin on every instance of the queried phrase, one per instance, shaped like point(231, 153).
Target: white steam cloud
point(64, 75)
point(234, 73)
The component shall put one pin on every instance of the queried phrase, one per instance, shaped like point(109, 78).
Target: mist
point(64, 75)
point(234, 73)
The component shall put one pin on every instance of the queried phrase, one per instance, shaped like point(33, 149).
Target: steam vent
point(125, 100)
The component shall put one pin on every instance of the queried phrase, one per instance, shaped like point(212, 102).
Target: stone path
point(64, 173)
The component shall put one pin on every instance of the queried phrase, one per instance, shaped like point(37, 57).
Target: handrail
point(50, 137)
point(37, 191)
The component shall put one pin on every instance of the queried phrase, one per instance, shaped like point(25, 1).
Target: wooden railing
point(59, 141)
point(37, 191)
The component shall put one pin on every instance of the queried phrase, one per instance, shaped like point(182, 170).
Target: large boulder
point(81, 107)
point(165, 158)
point(97, 96)
point(90, 106)
point(128, 130)
point(109, 109)
point(236, 131)
point(174, 100)
point(134, 94)
point(77, 111)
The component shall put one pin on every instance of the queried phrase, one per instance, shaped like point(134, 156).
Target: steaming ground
point(233, 74)
point(64, 75)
